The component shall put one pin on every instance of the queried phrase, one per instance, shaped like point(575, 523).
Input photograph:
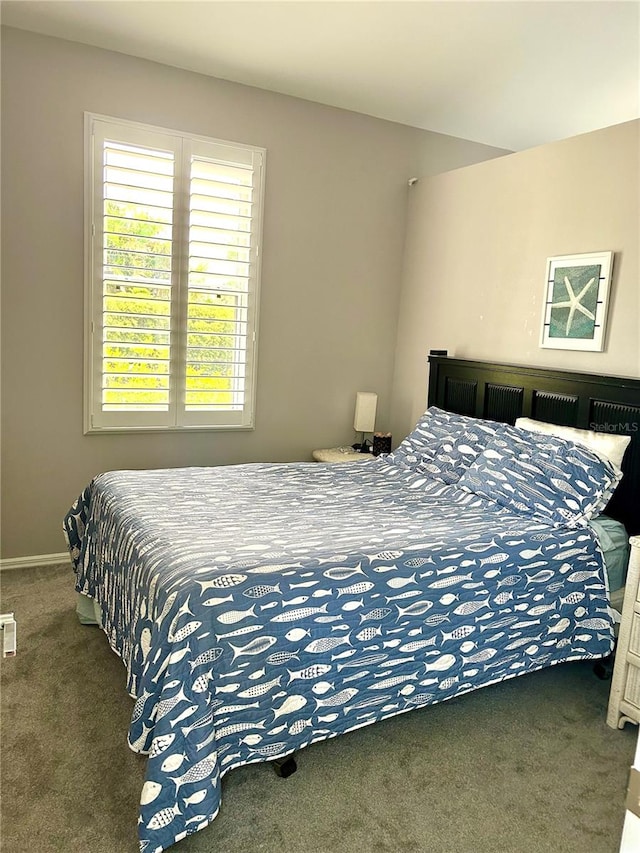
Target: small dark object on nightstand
point(381, 443)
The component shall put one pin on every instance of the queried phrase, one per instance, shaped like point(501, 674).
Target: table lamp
point(365, 418)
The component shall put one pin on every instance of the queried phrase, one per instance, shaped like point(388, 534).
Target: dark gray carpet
point(521, 767)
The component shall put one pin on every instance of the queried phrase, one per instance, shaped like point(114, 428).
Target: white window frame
point(177, 418)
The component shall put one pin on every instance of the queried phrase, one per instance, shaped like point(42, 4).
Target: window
point(173, 239)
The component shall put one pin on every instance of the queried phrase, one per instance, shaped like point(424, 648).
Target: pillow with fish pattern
point(544, 476)
point(443, 444)
point(432, 427)
point(447, 460)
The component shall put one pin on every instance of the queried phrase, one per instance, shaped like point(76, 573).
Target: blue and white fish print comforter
point(259, 608)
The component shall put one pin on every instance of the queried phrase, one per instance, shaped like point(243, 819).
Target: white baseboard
point(36, 560)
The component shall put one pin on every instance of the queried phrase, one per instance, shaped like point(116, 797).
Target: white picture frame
point(576, 298)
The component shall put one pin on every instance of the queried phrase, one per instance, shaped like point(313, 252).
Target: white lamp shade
point(365, 417)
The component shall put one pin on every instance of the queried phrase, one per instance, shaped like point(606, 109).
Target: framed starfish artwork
point(576, 300)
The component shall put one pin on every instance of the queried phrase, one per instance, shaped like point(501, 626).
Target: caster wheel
point(285, 767)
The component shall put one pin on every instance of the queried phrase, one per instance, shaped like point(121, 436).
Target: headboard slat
point(503, 402)
point(460, 396)
point(555, 408)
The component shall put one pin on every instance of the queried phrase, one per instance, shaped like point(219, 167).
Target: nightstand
point(341, 454)
point(624, 699)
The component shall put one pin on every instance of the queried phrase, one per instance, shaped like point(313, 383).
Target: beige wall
point(477, 245)
point(333, 238)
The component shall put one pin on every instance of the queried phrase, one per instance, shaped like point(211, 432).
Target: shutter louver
point(137, 268)
point(220, 198)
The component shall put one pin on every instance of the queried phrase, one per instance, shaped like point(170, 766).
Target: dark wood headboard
point(504, 392)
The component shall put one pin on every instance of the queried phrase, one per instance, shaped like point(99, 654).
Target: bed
point(260, 608)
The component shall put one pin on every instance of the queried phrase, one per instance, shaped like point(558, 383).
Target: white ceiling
point(510, 74)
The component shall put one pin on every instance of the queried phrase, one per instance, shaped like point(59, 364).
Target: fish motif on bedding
point(235, 659)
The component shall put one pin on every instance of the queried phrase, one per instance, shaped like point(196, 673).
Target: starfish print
point(573, 303)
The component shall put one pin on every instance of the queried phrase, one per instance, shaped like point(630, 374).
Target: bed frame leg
point(285, 767)
point(604, 668)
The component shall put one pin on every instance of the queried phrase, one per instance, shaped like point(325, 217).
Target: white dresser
point(624, 699)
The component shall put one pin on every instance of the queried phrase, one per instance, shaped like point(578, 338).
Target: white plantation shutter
point(173, 250)
point(137, 262)
point(220, 300)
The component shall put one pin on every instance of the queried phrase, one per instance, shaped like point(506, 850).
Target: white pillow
point(606, 445)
